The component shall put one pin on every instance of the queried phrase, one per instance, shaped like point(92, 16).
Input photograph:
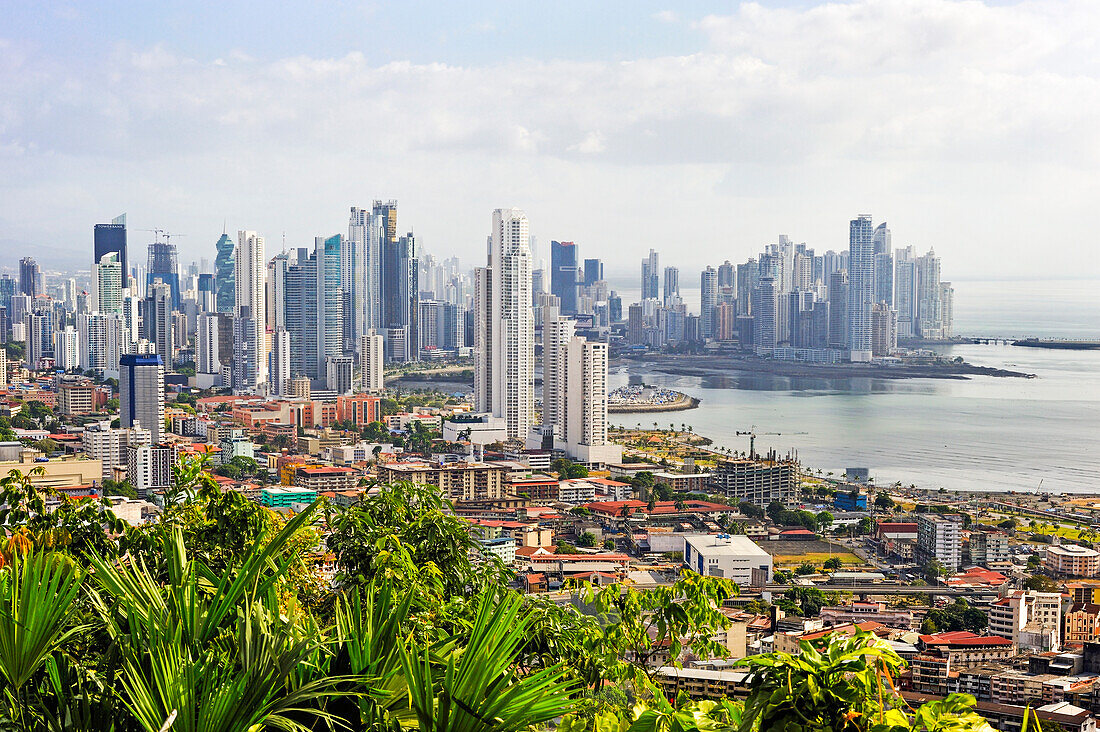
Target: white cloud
point(666, 16)
point(971, 127)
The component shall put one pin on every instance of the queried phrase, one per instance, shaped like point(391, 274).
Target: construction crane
point(751, 432)
point(168, 236)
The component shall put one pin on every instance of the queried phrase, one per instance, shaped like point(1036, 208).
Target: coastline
point(682, 403)
point(717, 365)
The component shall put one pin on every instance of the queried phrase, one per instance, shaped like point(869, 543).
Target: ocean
point(984, 433)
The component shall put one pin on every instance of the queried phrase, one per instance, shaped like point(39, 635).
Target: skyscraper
point(504, 326)
point(111, 238)
point(66, 348)
point(164, 267)
point(861, 287)
point(402, 298)
point(330, 300)
point(672, 285)
point(838, 309)
point(107, 284)
point(371, 359)
point(764, 312)
point(929, 292)
point(650, 276)
point(250, 266)
point(362, 275)
point(884, 265)
point(225, 275)
point(141, 392)
point(905, 292)
point(727, 275)
point(29, 277)
point(280, 362)
point(563, 274)
point(157, 321)
point(593, 271)
point(708, 299)
point(302, 317)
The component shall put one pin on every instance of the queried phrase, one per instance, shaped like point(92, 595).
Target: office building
point(330, 301)
point(225, 275)
point(563, 275)
point(249, 268)
point(861, 287)
point(401, 298)
point(939, 538)
point(141, 392)
point(504, 326)
point(111, 239)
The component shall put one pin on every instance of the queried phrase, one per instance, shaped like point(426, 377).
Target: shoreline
point(717, 366)
point(682, 403)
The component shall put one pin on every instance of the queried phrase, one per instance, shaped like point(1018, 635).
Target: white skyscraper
point(861, 287)
point(370, 354)
point(280, 362)
point(250, 268)
point(107, 284)
point(574, 392)
point(504, 327)
point(66, 348)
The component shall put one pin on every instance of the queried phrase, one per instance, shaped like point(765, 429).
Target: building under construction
point(758, 481)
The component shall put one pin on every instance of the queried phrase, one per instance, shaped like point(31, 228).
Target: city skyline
point(690, 126)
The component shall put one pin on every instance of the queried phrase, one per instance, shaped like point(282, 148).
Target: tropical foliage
point(218, 618)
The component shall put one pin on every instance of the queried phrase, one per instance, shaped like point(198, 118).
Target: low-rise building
point(858, 612)
point(1072, 560)
point(318, 478)
point(734, 557)
point(756, 481)
point(458, 481)
point(284, 497)
point(1032, 620)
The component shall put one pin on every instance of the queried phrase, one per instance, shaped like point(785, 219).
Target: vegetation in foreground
point(217, 618)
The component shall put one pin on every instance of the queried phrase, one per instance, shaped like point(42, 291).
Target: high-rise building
point(884, 330)
point(330, 300)
point(302, 317)
point(504, 326)
point(164, 267)
point(838, 309)
point(141, 392)
point(246, 357)
point(157, 321)
point(650, 276)
point(727, 275)
point(66, 348)
point(593, 271)
point(401, 298)
point(563, 274)
point(575, 392)
point(208, 296)
point(225, 275)
point(861, 287)
point(939, 538)
point(338, 374)
point(280, 362)
point(764, 306)
point(371, 362)
point(947, 310)
point(905, 292)
point(250, 266)
point(107, 284)
point(214, 343)
point(111, 239)
point(748, 276)
point(708, 299)
point(29, 277)
point(884, 265)
point(929, 292)
point(672, 286)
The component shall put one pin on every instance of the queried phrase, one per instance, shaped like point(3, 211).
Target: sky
point(702, 130)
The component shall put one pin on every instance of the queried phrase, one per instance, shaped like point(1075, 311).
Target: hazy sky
point(703, 130)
